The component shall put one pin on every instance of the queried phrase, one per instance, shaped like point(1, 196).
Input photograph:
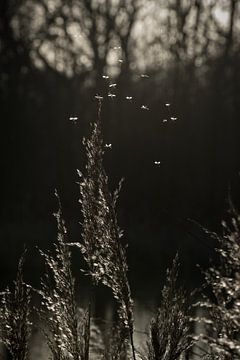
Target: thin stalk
point(88, 323)
point(87, 336)
point(132, 344)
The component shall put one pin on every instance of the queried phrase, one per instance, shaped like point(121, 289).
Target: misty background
point(180, 59)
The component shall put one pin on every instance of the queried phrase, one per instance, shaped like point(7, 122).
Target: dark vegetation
point(169, 126)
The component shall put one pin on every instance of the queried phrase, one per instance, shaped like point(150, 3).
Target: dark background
point(52, 58)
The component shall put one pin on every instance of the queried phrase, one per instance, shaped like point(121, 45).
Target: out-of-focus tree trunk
point(230, 32)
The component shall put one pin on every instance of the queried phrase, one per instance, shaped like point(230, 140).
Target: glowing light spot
point(98, 97)
point(108, 146)
point(111, 95)
point(73, 119)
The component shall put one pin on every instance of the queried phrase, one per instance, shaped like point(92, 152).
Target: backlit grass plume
point(222, 307)
point(65, 329)
point(15, 325)
point(102, 247)
point(170, 328)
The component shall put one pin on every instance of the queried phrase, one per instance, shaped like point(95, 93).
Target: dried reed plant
point(15, 310)
point(102, 246)
point(65, 328)
point(170, 329)
point(222, 302)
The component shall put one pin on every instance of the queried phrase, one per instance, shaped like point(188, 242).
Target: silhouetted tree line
point(56, 56)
